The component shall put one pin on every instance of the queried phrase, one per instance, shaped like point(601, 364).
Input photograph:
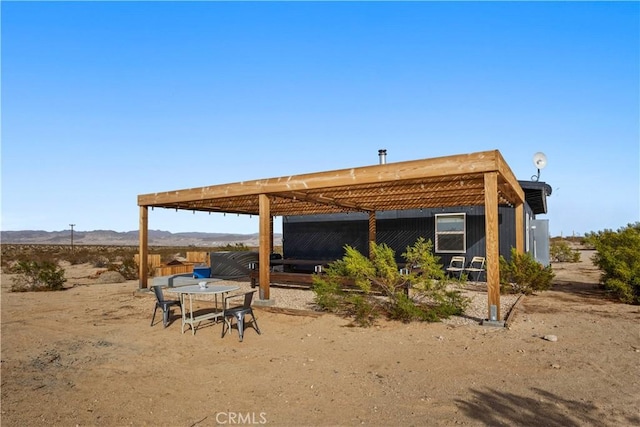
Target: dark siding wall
point(323, 237)
point(324, 240)
point(507, 231)
point(402, 232)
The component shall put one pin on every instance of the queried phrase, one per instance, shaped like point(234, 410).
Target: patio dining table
point(189, 292)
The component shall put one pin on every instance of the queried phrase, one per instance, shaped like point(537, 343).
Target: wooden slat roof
point(456, 180)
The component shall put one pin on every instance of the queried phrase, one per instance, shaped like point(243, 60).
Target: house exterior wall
point(323, 237)
point(540, 241)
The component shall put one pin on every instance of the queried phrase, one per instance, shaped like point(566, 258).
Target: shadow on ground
point(592, 292)
point(541, 408)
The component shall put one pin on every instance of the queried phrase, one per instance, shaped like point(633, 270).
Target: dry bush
point(38, 276)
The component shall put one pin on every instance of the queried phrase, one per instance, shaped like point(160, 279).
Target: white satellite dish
point(540, 161)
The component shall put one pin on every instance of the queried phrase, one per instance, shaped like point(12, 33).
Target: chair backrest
point(157, 289)
point(457, 261)
point(248, 297)
point(246, 303)
point(477, 262)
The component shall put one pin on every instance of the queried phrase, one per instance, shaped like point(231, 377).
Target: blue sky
point(102, 101)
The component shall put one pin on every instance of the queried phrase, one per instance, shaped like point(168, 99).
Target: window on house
point(451, 233)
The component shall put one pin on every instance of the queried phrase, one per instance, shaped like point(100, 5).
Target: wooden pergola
point(475, 179)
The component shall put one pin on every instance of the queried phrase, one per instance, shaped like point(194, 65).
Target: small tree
point(523, 274)
point(561, 252)
point(618, 256)
point(38, 276)
point(382, 290)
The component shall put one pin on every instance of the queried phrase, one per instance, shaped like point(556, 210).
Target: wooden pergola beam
point(376, 174)
point(519, 213)
point(264, 254)
point(492, 245)
point(144, 247)
point(322, 200)
point(372, 232)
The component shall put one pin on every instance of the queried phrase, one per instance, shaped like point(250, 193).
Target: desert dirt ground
point(87, 356)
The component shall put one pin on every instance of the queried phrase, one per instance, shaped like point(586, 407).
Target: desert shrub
point(618, 256)
point(39, 257)
point(38, 276)
point(233, 247)
point(380, 289)
point(560, 251)
point(110, 277)
point(127, 267)
point(328, 293)
point(364, 310)
point(100, 261)
point(421, 255)
point(523, 274)
point(79, 255)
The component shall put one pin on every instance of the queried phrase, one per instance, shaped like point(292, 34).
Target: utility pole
point(72, 225)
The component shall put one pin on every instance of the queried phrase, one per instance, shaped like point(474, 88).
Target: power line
point(72, 225)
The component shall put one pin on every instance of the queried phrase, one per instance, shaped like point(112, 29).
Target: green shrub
point(618, 256)
point(382, 290)
point(235, 247)
point(560, 251)
point(523, 274)
point(38, 276)
point(365, 311)
point(328, 294)
point(127, 267)
point(421, 256)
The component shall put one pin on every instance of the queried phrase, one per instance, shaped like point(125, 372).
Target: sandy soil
point(87, 356)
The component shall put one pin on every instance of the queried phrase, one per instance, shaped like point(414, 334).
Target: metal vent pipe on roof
point(382, 154)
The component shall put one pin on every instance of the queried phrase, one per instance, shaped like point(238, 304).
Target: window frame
point(463, 233)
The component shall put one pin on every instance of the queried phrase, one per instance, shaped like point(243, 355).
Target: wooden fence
point(155, 264)
point(153, 260)
point(199, 258)
point(170, 270)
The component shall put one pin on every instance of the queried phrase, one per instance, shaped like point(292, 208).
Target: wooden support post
point(143, 237)
point(265, 247)
point(492, 245)
point(520, 227)
point(270, 234)
point(372, 232)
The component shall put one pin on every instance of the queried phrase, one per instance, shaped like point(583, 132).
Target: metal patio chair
point(238, 312)
point(163, 304)
point(456, 266)
point(476, 266)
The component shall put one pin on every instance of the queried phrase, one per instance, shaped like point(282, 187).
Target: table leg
point(193, 327)
point(184, 311)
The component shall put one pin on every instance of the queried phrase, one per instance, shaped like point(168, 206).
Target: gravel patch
point(302, 299)
point(478, 309)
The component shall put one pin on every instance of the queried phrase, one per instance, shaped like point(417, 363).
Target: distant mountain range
point(130, 238)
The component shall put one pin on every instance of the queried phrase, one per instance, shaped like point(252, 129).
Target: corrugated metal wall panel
point(402, 232)
point(321, 238)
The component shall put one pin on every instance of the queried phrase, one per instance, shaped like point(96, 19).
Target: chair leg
point(224, 326)
point(255, 324)
point(165, 316)
point(227, 325)
point(240, 320)
point(154, 314)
